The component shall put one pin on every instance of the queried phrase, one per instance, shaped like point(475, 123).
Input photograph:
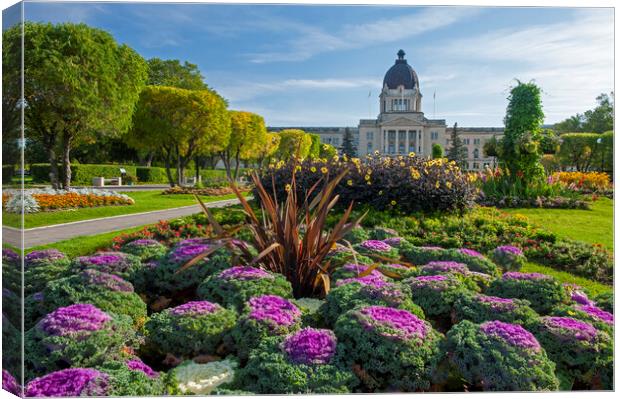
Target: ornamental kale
point(145, 248)
point(134, 378)
point(480, 308)
point(235, 286)
point(79, 335)
point(542, 291)
point(9, 384)
point(423, 255)
point(43, 266)
point(302, 362)
point(107, 292)
point(436, 294)
point(264, 316)
point(605, 301)
point(70, 382)
point(120, 264)
point(392, 349)
point(509, 258)
point(189, 330)
point(376, 247)
point(497, 356)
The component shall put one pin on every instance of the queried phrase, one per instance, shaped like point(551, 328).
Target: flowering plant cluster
point(144, 248)
point(542, 291)
point(423, 255)
point(581, 353)
point(585, 182)
point(79, 335)
point(166, 232)
point(107, 292)
point(395, 349)
point(51, 200)
point(42, 266)
point(509, 258)
point(264, 316)
point(167, 278)
point(349, 296)
point(443, 267)
point(120, 264)
point(436, 294)
point(479, 308)
point(498, 356)
point(9, 384)
point(190, 329)
point(406, 183)
point(233, 287)
point(304, 361)
point(590, 313)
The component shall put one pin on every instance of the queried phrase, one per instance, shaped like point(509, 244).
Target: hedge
point(7, 173)
point(152, 174)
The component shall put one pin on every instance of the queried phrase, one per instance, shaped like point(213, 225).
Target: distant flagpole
point(434, 105)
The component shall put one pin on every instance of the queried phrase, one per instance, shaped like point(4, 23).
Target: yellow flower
point(402, 164)
point(393, 202)
point(287, 188)
point(448, 184)
point(367, 177)
point(297, 168)
point(369, 183)
point(415, 175)
point(323, 170)
point(369, 172)
point(412, 154)
point(376, 152)
point(349, 182)
point(437, 184)
point(313, 169)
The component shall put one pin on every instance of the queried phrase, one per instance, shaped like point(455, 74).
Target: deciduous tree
point(248, 136)
point(293, 143)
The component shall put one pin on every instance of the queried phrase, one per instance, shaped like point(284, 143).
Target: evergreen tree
point(458, 151)
point(348, 148)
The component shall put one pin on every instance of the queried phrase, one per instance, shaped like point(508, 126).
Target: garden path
point(58, 232)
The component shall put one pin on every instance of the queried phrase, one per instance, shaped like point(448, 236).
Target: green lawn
point(595, 226)
point(593, 287)
point(145, 201)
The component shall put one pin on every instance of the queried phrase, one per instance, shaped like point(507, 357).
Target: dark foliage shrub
point(302, 362)
point(191, 329)
point(498, 356)
point(542, 291)
point(235, 286)
point(392, 349)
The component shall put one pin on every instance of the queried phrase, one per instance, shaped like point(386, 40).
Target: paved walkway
point(59, 232)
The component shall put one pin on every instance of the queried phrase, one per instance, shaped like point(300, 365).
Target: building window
point(466, 141)
point(476, 141)
point(476, 165)
point(447, 141)
point(434, 135)
point(369, 147)
point(370, 136)
point(476, 153)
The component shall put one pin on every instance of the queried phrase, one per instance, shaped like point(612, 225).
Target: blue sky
point(315, 65)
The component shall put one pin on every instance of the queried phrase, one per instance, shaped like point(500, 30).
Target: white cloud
point(313, 41)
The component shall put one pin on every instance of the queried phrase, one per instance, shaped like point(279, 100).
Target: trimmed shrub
point(166, 276)
point(152, 174)
point(497, 356)
point(77, 336)
point(581, 352)
point(436, 294)
point(392, 348)
point(474, 260)
point(204, 379)
point(106, 291)
point(43, 266)
point(145, 249)
point(264, 316)
point(235, 286)
point(123, 265)
point(81, 174)
point(352, 295)
point(479, 308)
point(509, 258)
point(302, 362)
point(190, 329)
point(542, 291)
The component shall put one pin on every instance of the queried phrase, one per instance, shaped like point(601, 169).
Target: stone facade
point(402, 128)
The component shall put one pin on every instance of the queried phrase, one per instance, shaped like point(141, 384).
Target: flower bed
point(40, 200)
point(497, 356)
point(542, 291)
point(43, 266)
point(479, 308)
point(585, 182)
point(120, 264)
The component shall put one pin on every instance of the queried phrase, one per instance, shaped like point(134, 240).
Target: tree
point(520, 151)
point(269, 147)
point(328, 151)
point(458, 151)
point(78, 81)
point(293, 143)
point(174, 74)
point(180, 123)
point(437, 151)
point(587, 151)
point(549, 142)
point(315, 147)
point(248, 136)
point(598, 120)
point(571, 124)
point(348, 147)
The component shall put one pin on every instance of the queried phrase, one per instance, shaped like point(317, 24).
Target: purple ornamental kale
point(244, 273)
point(446, 267)
point(103, 259)
point(193, 241)
point(376, 245)
point(195, 308)
point(513, 334)
point(106, 280)
point(43, 255)
point(597, 313)
point(376, 280)
point(69, 382)
point(143, 242)
point(310, 346)
point(497, 303)
point(74, 319)
point(138, 365)
point(186, 252)
point(9, 383)
point(393, 241)
point(405, 324)
point(509, 249)
point(580, 297)
point(8, 255)
point(525, 276)
point(567, 327)
point(471, 252)
point(274, 310)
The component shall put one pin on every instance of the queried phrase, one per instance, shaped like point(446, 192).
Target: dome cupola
point(401, 74)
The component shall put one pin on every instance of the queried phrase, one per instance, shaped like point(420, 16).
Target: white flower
point(201, 379)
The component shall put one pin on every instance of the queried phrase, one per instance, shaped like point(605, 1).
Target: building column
point(406, 141)
point(384, 140)
point(421, 136)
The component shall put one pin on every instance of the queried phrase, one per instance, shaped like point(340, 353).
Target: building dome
point(401, 74)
